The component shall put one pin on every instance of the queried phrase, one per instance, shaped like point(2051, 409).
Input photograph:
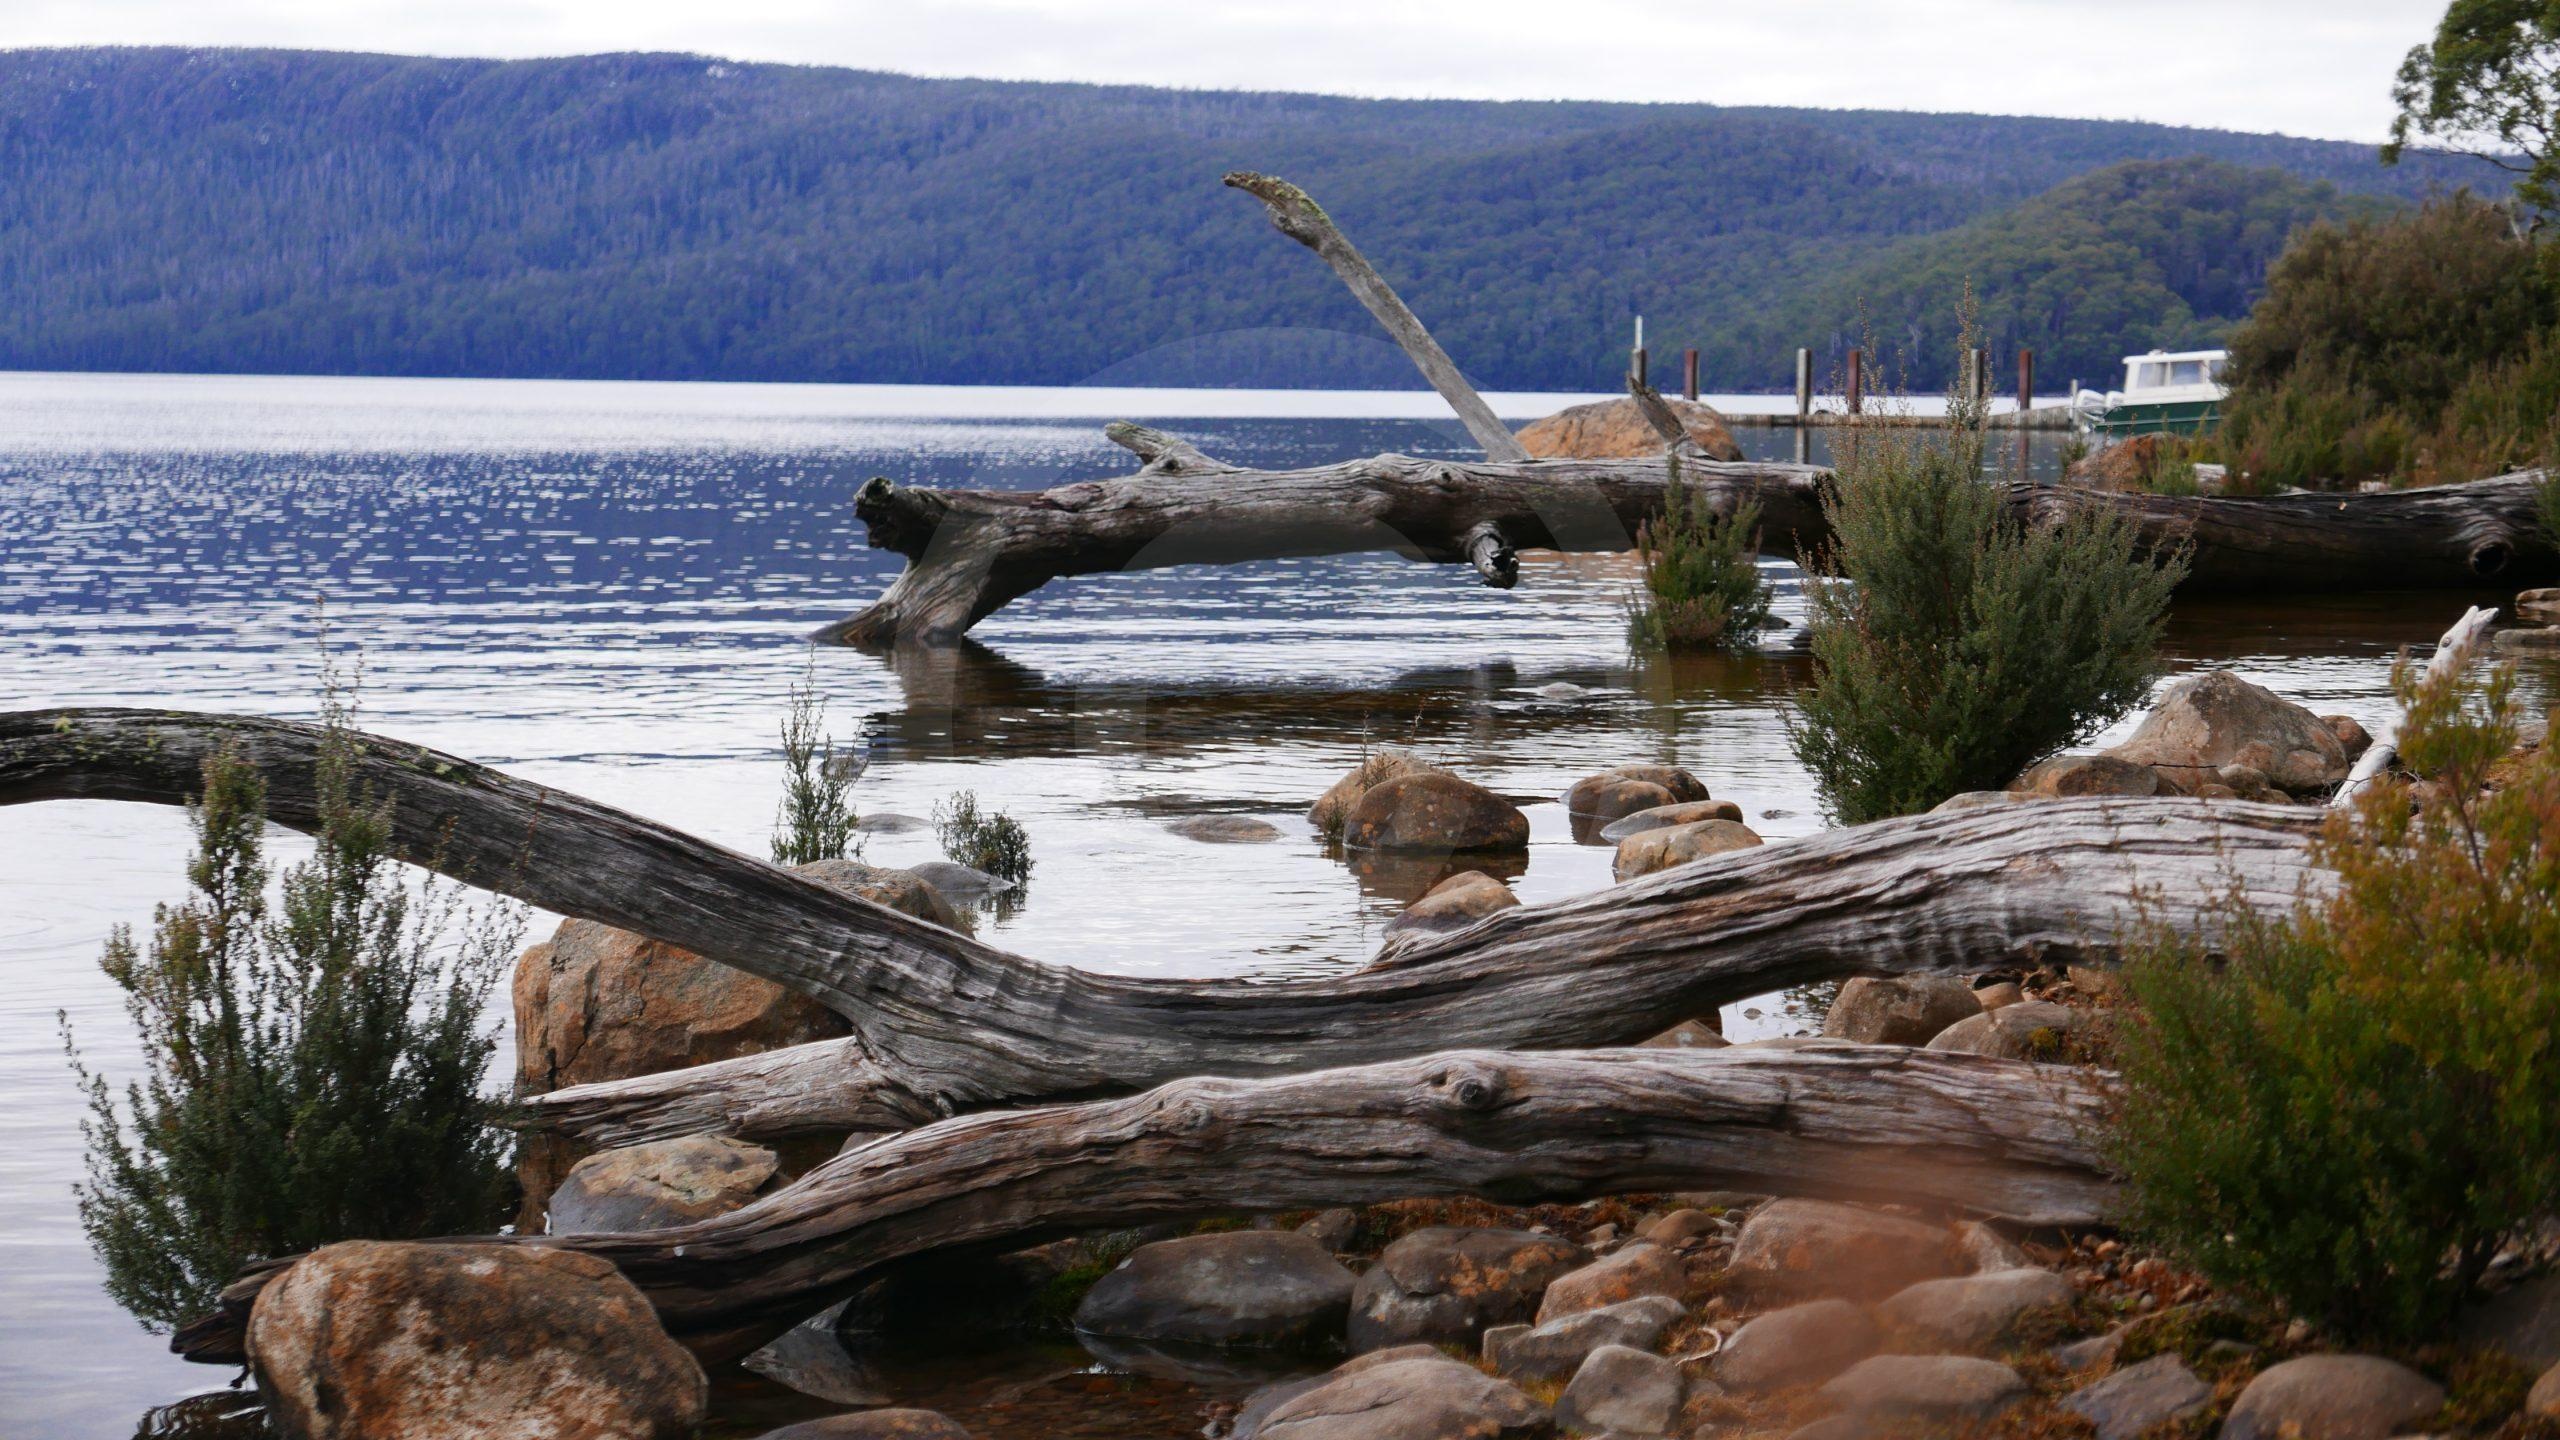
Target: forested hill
point(675, 217)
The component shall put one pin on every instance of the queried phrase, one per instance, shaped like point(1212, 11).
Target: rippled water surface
point(604, 587)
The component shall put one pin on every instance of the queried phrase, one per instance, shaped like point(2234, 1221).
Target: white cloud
point(2305, 67)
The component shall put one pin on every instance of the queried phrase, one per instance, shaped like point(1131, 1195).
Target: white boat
point(2178, 392)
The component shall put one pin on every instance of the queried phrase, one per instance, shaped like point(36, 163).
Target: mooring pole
point(2026, 384)
point(1857, 379)
point(1804, 384)
point(1689, 374)
point(1635, 361)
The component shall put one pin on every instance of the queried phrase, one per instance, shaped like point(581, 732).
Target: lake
point(606, 587)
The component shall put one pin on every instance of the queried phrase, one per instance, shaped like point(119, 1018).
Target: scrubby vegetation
point(1953, 645)
point(312, 1071)
point(2349, 1108)
point(815, 820)
point(988, 840)
point(1702, 582)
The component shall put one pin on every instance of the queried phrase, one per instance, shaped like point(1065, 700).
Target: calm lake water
point(605, 587)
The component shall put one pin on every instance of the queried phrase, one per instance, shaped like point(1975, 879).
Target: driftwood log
point(970, 552)
point(944, 1023)
point(1883, 1123)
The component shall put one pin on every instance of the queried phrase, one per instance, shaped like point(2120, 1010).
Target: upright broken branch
point(2453, 652)
point(1303, 220)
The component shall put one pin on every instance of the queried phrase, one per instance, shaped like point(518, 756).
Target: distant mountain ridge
point(662, 216)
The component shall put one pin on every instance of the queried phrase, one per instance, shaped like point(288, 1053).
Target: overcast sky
point(2303, 67)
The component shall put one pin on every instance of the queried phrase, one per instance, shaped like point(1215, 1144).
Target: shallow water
point(605, 588)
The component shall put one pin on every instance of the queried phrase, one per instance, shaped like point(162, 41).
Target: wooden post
point(1857, 380)
point(2026, 384)
point(1635, 359)
point(1689, 374)
point(1804, 384)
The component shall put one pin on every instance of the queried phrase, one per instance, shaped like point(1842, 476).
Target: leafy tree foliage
point(2488, 87)
point(664, 216)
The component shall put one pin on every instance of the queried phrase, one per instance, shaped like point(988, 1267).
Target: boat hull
point(2158, 417)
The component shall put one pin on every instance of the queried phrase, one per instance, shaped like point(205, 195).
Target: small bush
point(815, 820)
point(984, 840)
point(1953, 645)
point(312, 1072)
point(1702, 580)
point(2348, 1108)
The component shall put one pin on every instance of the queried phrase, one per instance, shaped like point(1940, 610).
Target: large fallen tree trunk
point(969, 552)
point(944, 1023)
point(1959, 1132)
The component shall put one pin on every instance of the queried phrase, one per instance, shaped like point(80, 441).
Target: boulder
point(2542, 606)
point(381, 1340)
point(1685, 1226)
point(1454, 904)
point(875, 1425)
point(1444, 1285)
point(1264, 1288)
point(2130, 1403)
point(1987, 1250)
point(1799, 1345)
point(1971, 1312)
point(2333, 1397)
point(1225, 829)
point(2353, 738)
point(1688, 1035)
point(1899, 1009)
point(595, 1003)
point(1638, 1270)
point(1603, 798)
point(2207, 721)
point(2522, 1321)
point(1996, 992)
point(1824, 1247)
point(1926, 1387)
point(1434, 811)
point(1652, 850)
point(1663, 817)
point(2030, 1030)
point(1617, 430)
point(1336, 1229)
point(1685, 788)
point(2542, 1402)
point(955, 881)
point(1554, 1350)
point(1334, 806)
point(658, 1184)
point(1621, 1390)
point(1407, 1397)
point(2065, 776)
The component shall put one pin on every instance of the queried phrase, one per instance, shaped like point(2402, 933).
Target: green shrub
point(2347, 1108)
point(1952, 644)
point(1702, 580)
point(985, 840)
point(815, 820)
point(312, 1072)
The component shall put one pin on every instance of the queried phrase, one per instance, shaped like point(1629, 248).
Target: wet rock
point(811, 1358)
point(1663, 817)
point(1899, 1010)
point(2207, 721)
point(1603, 798)
point(1799, 1345)
point(1225, 829)
point(1554, 1350)
point(1638, 1270)
point(1616, 430)
point(1689, 1035)
point(955, 881)
point(888, 822)
point(2333, 1397)
point(1969, 1313)
point(1404, 1396)
point(1434, 811)
point(875, 1425)
point(392, 1341)
point(1445, 1284)
point(1926, 1387)
point(2065, 776)
point(1824, 1247)
point(1978, 800)
point(2129, 1403)
point(1268, 1288)
point(1653, 850)
point(2543, 640)
point(2032, 1030)
point(1334, 806)
point(1621, 1390)
point(2523, 1321)
point(1685, 788)
point(595, 1003)
point(1454, 904)
point(661, 1183)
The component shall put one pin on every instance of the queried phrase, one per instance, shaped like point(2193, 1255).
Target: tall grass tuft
point(2350, 1107)
point(815, 820)
point(1952, 644)
point(1702, 582)
point(312, 1066)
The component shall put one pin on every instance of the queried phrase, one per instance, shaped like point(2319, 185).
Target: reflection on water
point(568, 592)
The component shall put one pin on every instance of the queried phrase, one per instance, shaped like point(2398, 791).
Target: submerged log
point(945, 1023)
point(970, 552)
point(1962, 1133)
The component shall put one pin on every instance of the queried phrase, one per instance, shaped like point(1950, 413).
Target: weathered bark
point(970, 552)
point(1964, 1133)
point(2452, 653)
point(1300, 218)
point(944, 1023)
